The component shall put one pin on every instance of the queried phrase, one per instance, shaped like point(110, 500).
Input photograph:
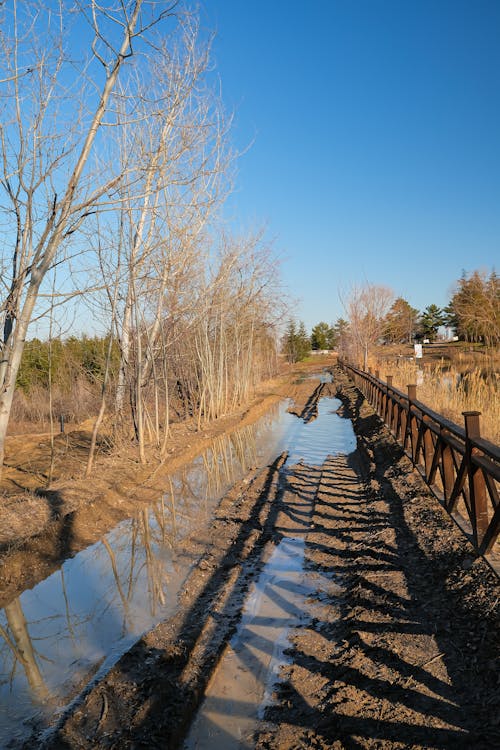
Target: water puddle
point(311, 443)
point(75, 624)
point(280, 600)
point(324, 377)
point(252, 660)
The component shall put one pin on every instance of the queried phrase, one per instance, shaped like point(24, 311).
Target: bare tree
point(18, 639)
point(239, 306)
point(366, 307)
point(130, 160)
point(47, 141)
point(179, 162)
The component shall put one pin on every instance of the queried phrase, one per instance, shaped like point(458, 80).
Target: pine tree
point(296, 344)
point(430, 320)
point(400, 322)
point(322, 336)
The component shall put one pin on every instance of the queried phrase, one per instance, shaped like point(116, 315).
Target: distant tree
point(475, 307)
point(322, 336)
point(331, 339)
point(401, 322)
point(451, 318)
point(430, 320)
point(288, 344)
point(367, 307)
point(64, 362)
point(288, 341)
point(304, 342)
point(296, 343)
point(340, 330)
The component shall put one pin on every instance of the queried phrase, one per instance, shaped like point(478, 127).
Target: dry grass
point(78, 402)
point(447, 389)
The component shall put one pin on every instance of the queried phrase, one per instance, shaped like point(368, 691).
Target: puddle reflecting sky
point(325, 435)
point(323, 377)
point(77, 622)
point(244, 681)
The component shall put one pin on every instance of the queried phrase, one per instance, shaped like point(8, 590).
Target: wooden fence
point(461, 468)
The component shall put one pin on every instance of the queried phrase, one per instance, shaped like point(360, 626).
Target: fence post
point(477, 489)
point(61, 422)
point(447, 464)
point(388, 404)
point(376, 393)
point(428, 447)
point(403, 422)
point(383, 402)
point(412, 429)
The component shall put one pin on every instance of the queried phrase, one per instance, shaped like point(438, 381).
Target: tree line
point(374, 316)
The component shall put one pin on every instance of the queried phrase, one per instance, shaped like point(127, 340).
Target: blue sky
point(375, 132)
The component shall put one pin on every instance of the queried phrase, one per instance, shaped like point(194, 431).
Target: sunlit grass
point(449, 390)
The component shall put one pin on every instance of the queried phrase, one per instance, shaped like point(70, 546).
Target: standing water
point(242, 684)
point(73, 626)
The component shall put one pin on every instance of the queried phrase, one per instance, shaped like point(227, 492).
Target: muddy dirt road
point(333, 605)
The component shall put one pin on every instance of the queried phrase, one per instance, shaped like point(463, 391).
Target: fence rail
point(461, 468)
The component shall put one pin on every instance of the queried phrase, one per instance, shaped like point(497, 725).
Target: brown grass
point(77, 402)
point(450, 389)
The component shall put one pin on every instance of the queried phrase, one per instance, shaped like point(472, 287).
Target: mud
point(152, 693)
point(229, 713)
point(304, 403)
point(407, 655)
point(397, 646)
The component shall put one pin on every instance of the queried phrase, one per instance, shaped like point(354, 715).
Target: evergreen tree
point(289, 342)
point(303, 342)
point(475, 307)
point(451, 318)
point(400, 322)
point(430, 320)
point(322, 336)
point(339, 333)
point(296, 344)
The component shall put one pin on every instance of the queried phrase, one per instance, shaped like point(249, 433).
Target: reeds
point(450, 391)
point(78, 402)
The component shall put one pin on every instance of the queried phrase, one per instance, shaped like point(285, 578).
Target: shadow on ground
point(405, 655)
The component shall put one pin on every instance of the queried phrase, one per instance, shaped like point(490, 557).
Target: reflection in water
point(251, 661)
point(17, 638)
point(278, 600)
point(78, 622)
point(325, 376)
point(327, 434)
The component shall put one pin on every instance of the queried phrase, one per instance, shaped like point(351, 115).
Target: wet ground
point(73, 625)
point(333, 605)
point(406, 655)
point(236, 697)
